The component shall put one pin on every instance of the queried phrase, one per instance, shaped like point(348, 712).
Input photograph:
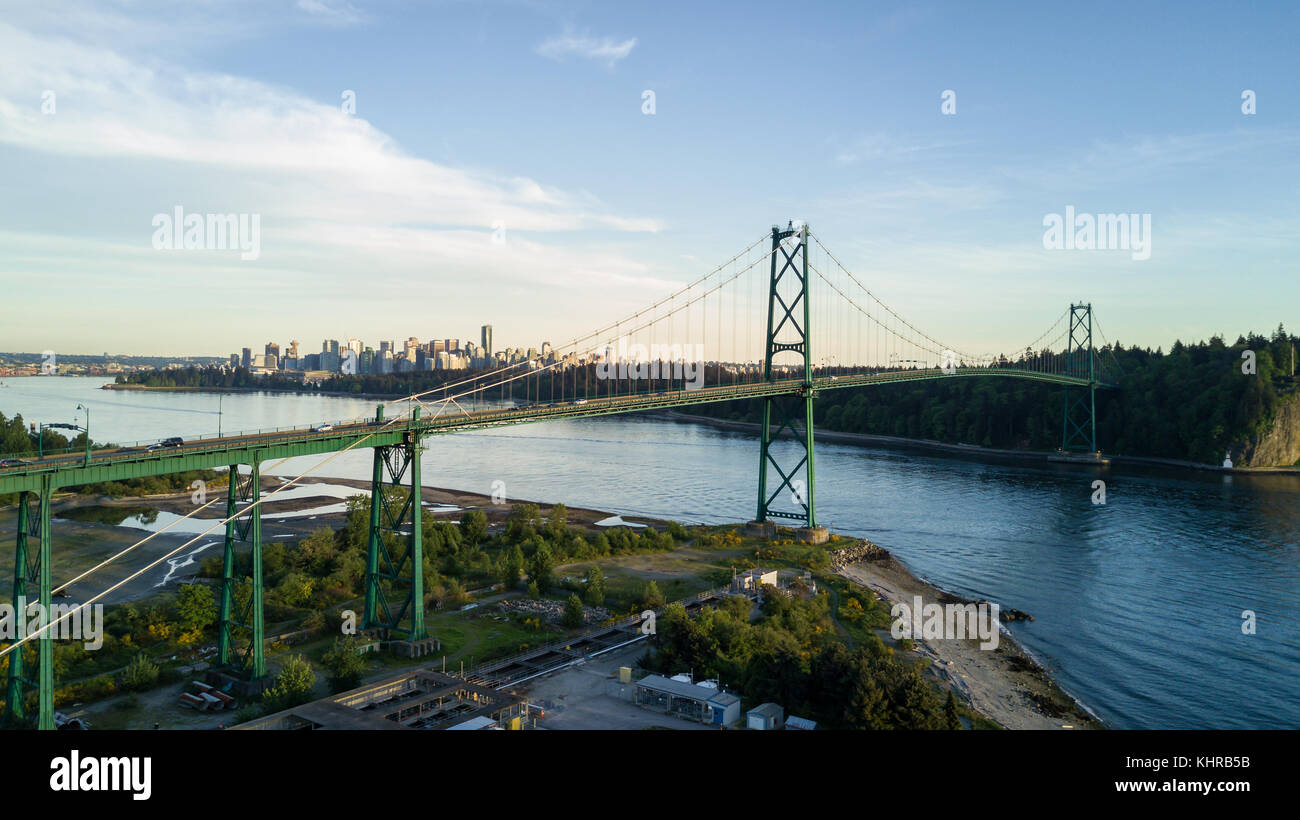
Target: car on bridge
point(13, 462)
point(174, 441)
point(322, 428)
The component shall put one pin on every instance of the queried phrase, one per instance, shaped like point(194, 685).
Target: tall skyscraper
point(248, 357)
point(487, 341)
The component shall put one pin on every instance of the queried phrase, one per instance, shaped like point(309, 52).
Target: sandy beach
point(1004, 684)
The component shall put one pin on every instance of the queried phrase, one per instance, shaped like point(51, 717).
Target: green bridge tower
point(788, 317)
point(1079, 428)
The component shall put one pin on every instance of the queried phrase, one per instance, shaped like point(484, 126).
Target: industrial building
point(693, 701)
point(418, 699)
point(765, 716)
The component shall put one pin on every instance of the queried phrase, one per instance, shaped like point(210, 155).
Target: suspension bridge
point(781, 322)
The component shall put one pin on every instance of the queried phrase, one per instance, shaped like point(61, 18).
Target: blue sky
point(378, 225)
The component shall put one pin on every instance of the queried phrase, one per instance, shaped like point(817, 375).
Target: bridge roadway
point(116, 464)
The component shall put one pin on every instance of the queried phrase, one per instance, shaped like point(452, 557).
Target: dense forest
point(1193, 403)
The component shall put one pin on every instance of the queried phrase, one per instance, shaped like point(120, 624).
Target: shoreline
point(835, 436)
point(1008, 685)
point(1031, 457)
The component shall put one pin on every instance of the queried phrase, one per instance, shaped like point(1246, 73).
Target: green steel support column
point(255, 536)
point(228, 568)
point(808, 394)
point(395, 559)
point(795, 324)
point(14, 706)
point(764, 441)
point(243, 622)
point(417, 540)
point(370, 617)
point(45, 643)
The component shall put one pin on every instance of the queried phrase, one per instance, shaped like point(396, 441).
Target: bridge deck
point(116, 464)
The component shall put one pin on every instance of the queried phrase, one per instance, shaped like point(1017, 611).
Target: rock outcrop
point(1280, 446)
point(863, 550)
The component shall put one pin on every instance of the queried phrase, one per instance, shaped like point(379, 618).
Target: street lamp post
point(87, 431)
point(220, 397)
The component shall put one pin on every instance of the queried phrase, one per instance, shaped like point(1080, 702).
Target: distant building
point(248, 357)
point(487, 341)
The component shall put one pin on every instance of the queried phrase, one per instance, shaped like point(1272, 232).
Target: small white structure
point(751, 580)
point(765, 716)
point(1227, 459)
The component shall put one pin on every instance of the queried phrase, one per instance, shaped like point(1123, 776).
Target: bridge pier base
point(813, 535)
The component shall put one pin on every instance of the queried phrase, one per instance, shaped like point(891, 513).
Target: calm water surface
point(1137, 604)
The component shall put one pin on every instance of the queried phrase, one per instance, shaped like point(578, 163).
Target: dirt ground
point(577, 698)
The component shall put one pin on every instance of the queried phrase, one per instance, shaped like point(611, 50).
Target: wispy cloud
point(885, 147)
point(571, 44)
point(339, 12)
point(337, 196)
